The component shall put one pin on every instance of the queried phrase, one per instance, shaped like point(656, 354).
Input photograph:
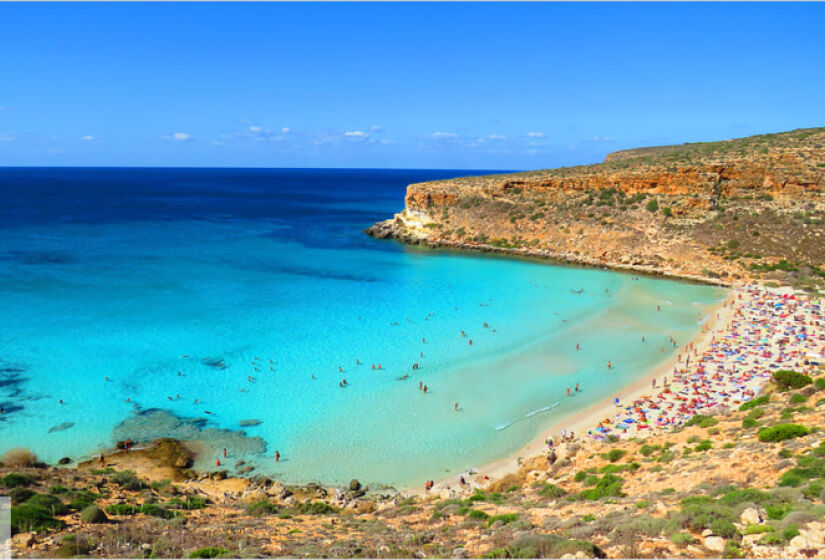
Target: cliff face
point(725, 210)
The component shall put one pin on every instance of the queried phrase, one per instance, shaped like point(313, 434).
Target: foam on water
point(129, 294)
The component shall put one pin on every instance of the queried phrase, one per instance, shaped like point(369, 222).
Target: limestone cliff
point(718, 211)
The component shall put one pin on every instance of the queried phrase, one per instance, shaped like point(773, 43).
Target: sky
point(407, 85)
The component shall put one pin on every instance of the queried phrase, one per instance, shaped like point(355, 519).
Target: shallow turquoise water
point(149, 300)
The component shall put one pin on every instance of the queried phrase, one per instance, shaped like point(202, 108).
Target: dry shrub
point(19, 457)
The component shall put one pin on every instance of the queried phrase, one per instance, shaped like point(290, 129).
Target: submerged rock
point(250, 422)
point(64, 461)
point(61, 427)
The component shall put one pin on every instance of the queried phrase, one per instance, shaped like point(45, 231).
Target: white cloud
point(255, 128)
point(602, 139)
point(444, 135)
point(88, 138)
point(218, 143)
point(535, 135)
point(496, 137)
point(356, 134)
point(375, 128)
point(386, 142)
point(6, 136)
point(285, 130)
point(179, 137)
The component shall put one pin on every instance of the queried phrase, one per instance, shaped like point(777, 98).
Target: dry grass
point(19, 457)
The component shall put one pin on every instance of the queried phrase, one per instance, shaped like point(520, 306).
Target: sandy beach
point(722, 321)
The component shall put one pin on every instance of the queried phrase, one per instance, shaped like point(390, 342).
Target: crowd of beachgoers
point(767, 330)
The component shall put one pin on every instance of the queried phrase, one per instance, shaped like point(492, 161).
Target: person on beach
point(577, 387)
point(455, 407)
point(568, 391)
point(471, 342)
point(425, 388)
point(420, 385)
point(609, 365)
point(277, 455)
point(224, 452)
point(577, 347)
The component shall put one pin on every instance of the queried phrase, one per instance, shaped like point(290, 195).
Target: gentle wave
point(528, 415)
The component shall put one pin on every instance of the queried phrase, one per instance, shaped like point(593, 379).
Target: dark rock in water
point(61, 427)
point(240, 464)
point(64, 461)
point(354, 485)
point(217, 363)
point(250, 422)
point(246, 469)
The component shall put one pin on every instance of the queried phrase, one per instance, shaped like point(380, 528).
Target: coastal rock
point(64, 461)
point(751, 517)
point(25, 540)
point(354, 485)
point(716, 544)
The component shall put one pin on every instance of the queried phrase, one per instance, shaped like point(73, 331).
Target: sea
point(228, 306)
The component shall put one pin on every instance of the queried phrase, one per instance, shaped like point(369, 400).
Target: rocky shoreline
point(396, 230)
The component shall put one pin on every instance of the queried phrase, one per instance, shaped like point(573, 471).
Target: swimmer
point(455, 407)
point(462, 334)
point(577, 387)
point(420, 385)
point(217, 462)
point(340, 369)
point(224, 452)
point(609, 365)
point(471, 342)
point(577, 347)
point(277, 456)
point(568, 391)
point(425, 388)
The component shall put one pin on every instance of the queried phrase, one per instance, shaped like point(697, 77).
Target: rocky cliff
point(718, 211)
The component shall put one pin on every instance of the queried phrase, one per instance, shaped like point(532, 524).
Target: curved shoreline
point(588, 418)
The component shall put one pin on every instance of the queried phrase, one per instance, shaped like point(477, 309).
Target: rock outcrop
point(718, 211)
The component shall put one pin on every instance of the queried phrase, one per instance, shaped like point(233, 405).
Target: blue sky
point(492, 86)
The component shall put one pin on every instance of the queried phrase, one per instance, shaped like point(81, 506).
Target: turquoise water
point(179, 285)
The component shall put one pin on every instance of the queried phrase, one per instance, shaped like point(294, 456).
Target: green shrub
point(28, 517)
point(477, 514)
point(667, 211)
point(155, 510)
point(60, 490)
point(615, 454)
point(93, 514)
point(820, 383)
point(749, 423)
point(505, 518)
point(20, 495)
point(682, 538)
point(782, 432)
point(652, 205)
point(128, 480)
point(314, 508)
point(551, 491)
point(701, 420)
point(798, 399)
point(15, 480)
point(704, 446)
point(608, 485)
point(122, 509)
point(545, 546)
point(261, 508)
point(208, 552)
point(765, 399)
point(83, 499)
point(52, 504)
point(648, 450)
point(790, 532)
point(788, 379)
point(580, 476)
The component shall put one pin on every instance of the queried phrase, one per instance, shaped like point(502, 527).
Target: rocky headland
point(720, 212)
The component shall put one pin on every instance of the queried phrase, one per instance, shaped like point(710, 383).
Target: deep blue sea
point(219, 304)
